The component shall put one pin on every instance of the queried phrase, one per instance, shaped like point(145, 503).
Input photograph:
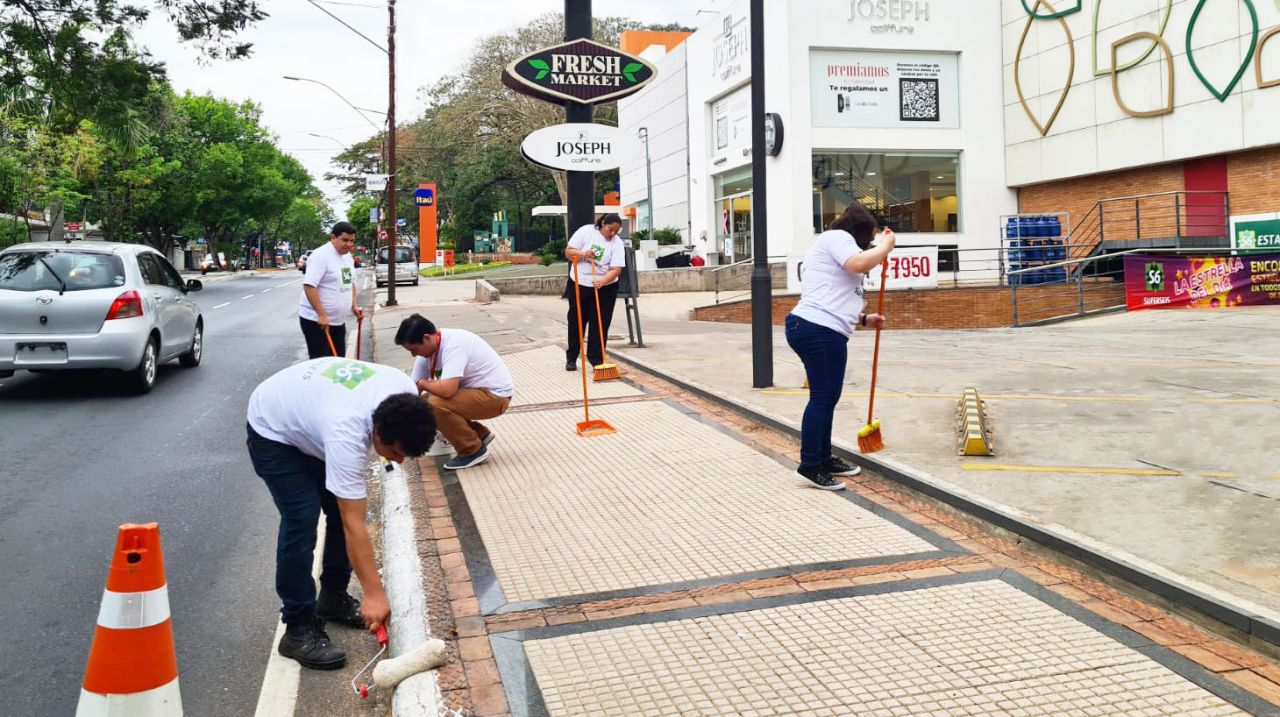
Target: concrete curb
point(486, 293)
point(1250, 619)
point(402, 577)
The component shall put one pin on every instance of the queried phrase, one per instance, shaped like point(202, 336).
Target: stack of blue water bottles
point(1035, 241)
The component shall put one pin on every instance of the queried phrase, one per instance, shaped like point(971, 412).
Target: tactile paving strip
point(540, 377)
point(562, 515)
point(980, 648)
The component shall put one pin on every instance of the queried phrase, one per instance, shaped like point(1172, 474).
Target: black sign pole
point(761, 283)
point(581, 208)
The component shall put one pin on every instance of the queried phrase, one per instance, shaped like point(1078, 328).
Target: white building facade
point(890, 103)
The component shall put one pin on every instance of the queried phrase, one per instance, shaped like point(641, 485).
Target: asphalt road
point(80, 457)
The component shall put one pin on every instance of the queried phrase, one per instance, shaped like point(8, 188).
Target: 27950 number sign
point(913, 267)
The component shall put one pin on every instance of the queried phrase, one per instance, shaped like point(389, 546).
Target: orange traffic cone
point(132, 667)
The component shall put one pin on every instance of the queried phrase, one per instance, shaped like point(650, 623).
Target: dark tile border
point(1175, 592)
point(493, 600)
point(525, 697)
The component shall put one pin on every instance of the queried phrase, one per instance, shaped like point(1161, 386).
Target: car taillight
point(126, 306)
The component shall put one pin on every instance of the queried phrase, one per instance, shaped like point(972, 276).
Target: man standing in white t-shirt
point(328, 288)
point(466, 381)
point(310, 429)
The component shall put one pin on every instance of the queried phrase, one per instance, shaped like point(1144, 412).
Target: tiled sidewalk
point(678, 568)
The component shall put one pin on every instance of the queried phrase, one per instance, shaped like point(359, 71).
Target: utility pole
point(391, 213)
point(761, 283)
point(581, 208)
point(648, 175)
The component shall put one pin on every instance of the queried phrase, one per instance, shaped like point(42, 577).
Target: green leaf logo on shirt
point(348, 374)
point(597, 251)
point(346, 275)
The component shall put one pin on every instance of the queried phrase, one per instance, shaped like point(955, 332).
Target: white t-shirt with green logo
point(466, 357)
point(609, 254)
point(333, 275)
point(324, 408)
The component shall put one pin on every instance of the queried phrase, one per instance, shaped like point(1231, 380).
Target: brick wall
point(1078, 196)
point(960, 308)
point(1253, 179)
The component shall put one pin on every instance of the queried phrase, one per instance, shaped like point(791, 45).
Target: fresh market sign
point(581, 70)
point(576, 147)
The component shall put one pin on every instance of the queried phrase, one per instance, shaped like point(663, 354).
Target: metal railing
point(1165, 219)
point(734, 282)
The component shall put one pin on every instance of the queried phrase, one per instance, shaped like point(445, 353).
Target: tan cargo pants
point(458, 416)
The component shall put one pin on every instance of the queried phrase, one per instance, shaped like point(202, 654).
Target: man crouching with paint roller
point(310, 430)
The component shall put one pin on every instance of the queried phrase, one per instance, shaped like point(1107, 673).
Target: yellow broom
point(869, 439)
point(605, 371)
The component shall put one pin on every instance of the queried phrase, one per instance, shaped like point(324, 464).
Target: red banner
point(1201, 282)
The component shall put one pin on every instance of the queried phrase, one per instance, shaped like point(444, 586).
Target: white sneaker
point(441, 447)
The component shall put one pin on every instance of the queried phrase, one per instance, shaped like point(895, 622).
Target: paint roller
point(392, 671)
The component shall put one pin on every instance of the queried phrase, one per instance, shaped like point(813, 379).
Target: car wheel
point(143, 378)
point(191, 359)
point(415, 281)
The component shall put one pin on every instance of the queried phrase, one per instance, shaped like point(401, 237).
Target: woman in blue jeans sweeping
point(830, 309)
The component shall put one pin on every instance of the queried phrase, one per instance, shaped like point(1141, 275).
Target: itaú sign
point(577, 147)
point(578, 71)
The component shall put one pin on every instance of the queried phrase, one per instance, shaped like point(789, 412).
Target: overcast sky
point(433, 38)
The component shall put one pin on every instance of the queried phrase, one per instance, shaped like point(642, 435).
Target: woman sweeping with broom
point(831, 307)
point(600, 256)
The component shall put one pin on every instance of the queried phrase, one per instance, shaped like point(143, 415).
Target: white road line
point(250, 296)
point(290, 283)
point(279, 694)
point(219, 306)
point(264, 291)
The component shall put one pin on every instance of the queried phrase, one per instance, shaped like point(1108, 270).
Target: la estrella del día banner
point(1201, 282)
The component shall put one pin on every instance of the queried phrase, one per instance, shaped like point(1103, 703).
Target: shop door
point(734, 229)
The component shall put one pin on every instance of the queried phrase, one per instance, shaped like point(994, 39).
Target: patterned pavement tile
point(983, 648)
point(666, 499)
point(540, 377)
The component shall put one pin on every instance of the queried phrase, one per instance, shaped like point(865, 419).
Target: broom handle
point(875, 356)
point(332, 348)
point(599, 316)
point(582, 345)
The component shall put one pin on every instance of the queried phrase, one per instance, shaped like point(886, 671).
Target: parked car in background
point(406, 265)
point(302, 260)
point(96, 305)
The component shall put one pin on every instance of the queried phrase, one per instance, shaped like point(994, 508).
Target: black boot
point(307, 642)
point(339, 607)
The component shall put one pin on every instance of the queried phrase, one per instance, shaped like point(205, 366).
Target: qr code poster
point(868, 88)
point(919, 100)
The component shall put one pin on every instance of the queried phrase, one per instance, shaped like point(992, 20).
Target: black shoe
point(837, 467)
point(340, 608)
point(464, 462)
point(307, 642)
point(820, 478)
point(570, 365)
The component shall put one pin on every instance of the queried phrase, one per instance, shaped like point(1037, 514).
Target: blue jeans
point(296, 482)
point(824, 353)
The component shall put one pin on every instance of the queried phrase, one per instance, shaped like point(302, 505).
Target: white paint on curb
point(402, 578)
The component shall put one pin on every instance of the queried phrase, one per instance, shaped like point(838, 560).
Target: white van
point(406, 265)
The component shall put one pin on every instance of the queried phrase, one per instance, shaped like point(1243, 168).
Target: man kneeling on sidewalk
point(465, 380)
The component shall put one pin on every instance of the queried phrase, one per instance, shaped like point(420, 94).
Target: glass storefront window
point(733, 214)
point(907, 191)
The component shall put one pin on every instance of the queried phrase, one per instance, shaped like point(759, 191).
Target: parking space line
point(1068, 469)
point(219, 306)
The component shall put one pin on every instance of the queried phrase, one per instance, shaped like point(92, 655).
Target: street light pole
point(581, 185)
point(648, 174)
point(761, 283)
point(392, 177)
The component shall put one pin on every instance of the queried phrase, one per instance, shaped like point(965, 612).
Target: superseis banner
point(1201, 282)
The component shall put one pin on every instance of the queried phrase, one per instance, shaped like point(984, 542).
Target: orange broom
point(869, 438)
point(587, 428)
point(332, 347)
point(605, 371)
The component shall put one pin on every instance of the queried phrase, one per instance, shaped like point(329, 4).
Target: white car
point(406, 265)
point(96, 305)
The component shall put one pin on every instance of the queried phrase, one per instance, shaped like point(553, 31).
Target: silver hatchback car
point(96, 305)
